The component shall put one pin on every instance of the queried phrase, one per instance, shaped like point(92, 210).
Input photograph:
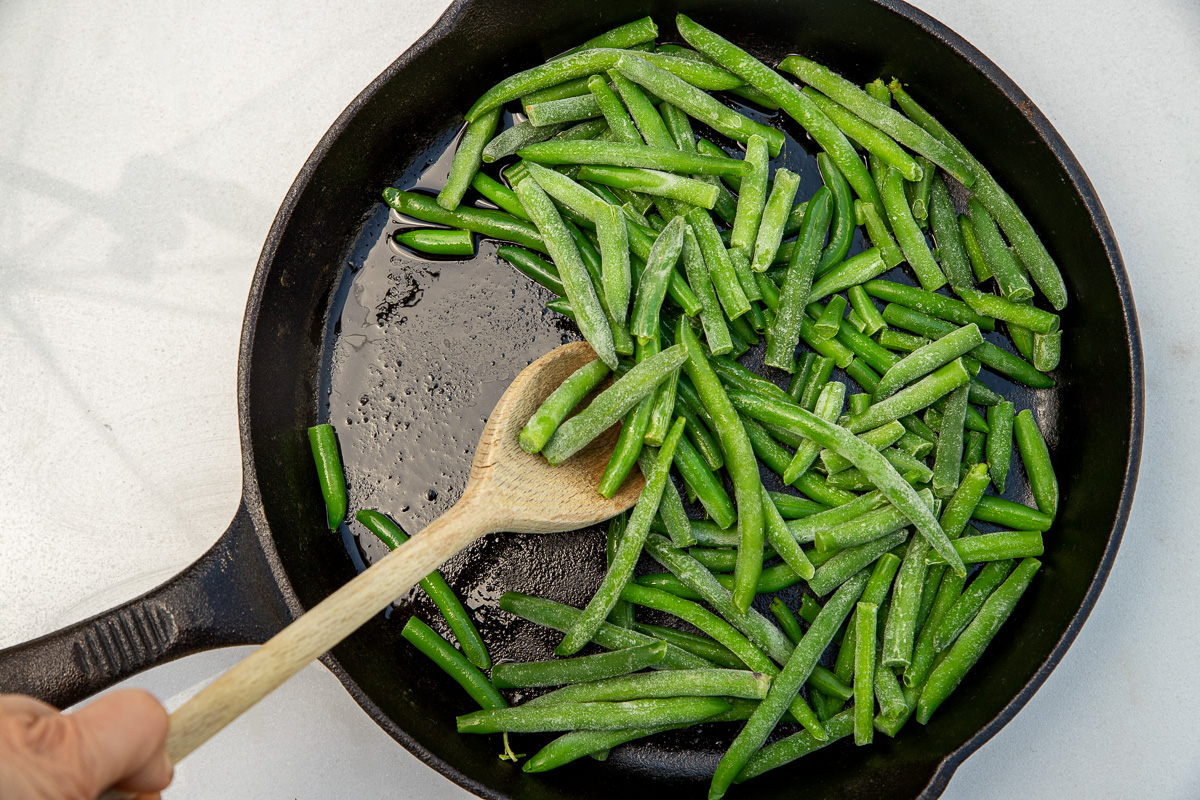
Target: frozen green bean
point(664, 683)
point(561, 402)
point(908, 233)
point(652, 286)
point(829, 408)
point(853, 271)
point(632, 155)
point(790, 317)
point(753, 194)
point(725, 281)
point(1035, 456)
point(494, 224)
point(999, 442)
point(841, 229)
point(899, 632)
point(997, 546)
point(948, 459)
point(927, 358)
point(592, 716)
point(1003, 265)
point(913, 398)
point(845, 563)
point(866, 527)
point(865, 620)
point(615, 268)
point(516, 675)
point(964, 609)
point(774, 216)
point(864, 306)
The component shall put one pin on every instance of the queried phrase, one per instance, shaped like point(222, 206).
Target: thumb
point(122, 736)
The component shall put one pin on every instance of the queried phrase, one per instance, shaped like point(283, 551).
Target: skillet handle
point(228, 596)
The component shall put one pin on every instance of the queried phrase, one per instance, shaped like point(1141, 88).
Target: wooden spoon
point(509, 490)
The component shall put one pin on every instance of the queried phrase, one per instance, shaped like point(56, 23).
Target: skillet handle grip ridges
point(226, 597)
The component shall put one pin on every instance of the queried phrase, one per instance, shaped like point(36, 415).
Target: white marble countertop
point(144, 149)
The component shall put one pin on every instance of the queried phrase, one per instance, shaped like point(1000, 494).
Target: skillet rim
point(252, 496)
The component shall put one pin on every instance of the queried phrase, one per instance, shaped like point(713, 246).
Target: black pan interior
point(406, 356)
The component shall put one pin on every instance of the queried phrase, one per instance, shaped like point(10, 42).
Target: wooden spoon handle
point(323, 626)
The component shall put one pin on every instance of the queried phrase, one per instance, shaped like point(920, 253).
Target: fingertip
point(124, 732)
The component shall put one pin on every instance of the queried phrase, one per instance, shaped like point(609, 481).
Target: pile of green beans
point(675, 256)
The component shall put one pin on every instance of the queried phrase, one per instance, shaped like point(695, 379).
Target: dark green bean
point(454, 663)
point(791, 507)
point(701, 437)
point(786, 750)
point(974, 640)
point(865, 620)
point(790, 317)
point(948, 460)
point(644, 115)
point(928, 303)
point(628, 447)
point(1011, 515)
point(841, 229)
point(815, 383)
point(512, 675)
point(627, 155)
point(624, 36)
point(927, 358)
point(829, 408)
point(925, 653)
point(787, 684)
point(919, 192)
point(706, 484)
point(830, 318)
point(786, 619)
point(495, 224)
point(864, 306)
point(330, 475)
point(611, 404)
point(999, 442)
point(467, 157)
point(670, 683)
point(499, 194)
point(1035, 456)
point(880, 236)
point(693, 643)
point(561, 402)
point(622, 613)
point(576, 87)
point(435, 586)
point(781, 539)
point(1010, 278)
point(653, 182)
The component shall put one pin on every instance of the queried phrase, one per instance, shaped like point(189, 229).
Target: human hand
point(115, 741)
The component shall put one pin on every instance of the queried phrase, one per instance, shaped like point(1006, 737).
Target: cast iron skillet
point(406, 358)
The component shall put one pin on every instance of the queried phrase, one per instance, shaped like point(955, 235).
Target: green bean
point(722, 559)
point(614, 113)
point(671, 683)
point(739, 259)
point(813, 486)
point(330, 475)
point(707, 622)
point(913, 398)
point(871, 138)
point(898, 340)
point(900, 630)
point(1000, 261)
point(698, 645)
point(1002, 361)
point(928, 303)
point(495, 224)
point(653, 182)
point(925, 652)
point(964, 609)
point(879, 438)
point(614, 255)
point(628, 447)
point(624, 36)
point(454, 663)
point(791, 99)
point(740, 463)
point(918, 428)
point(631, 155)
point(716, 332)
point(879, 115)
point(815, 383)
point(908, 233)
point(568, 109)
point(829, 408)
point(809, 609)
point(948, 460)
point(971, 643)
point(701, 74)
point(576, 87)
point(577, 670)
point(774, 217)
point(611, 404)
point(560, 305)
point(555, 408)
point(792, 507)
point(628, 552)
point(1020, 314)
point(781, 539)
point(845, 563)
point(855, 480)
point(652, 286)
point(880, 236)
point(701, 437)
point(752, 195)
point(515, 172)
point(999, 442)
point(876, 593)
point(621, 613)
point(622, 342)
point(1047, 350)
point(842, 355)
point(971, 245)
point(786, 619)
point(1016, 227)
point(805, 530)
point(786, 685)
point(997, 546)
point(552, 73)
point(697, 103)
point(801, 373)
point(466, 158)
point(706, 484)
point(512, 139)
point(973, 444)
point(829, 319)
point(952, 252)
point(914, 445)
point(919, 192)
point(888, 691)
point(590, 315)
point(644, 115)
point(928, 358)
point(592, 716)
point(865, 620)
point(790, 318)
point(499, 194)
point(735, 376)
point(1036, 458)
point(724, 279)
point(841, 231)
point(435, 586)
point(786, 750)
point(1022, 339)
point(864, 306)
point(693, 575)
point(866, 527)
point(962, 503)
point(866, 350)
point(1011, 515)
point(588, 129)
